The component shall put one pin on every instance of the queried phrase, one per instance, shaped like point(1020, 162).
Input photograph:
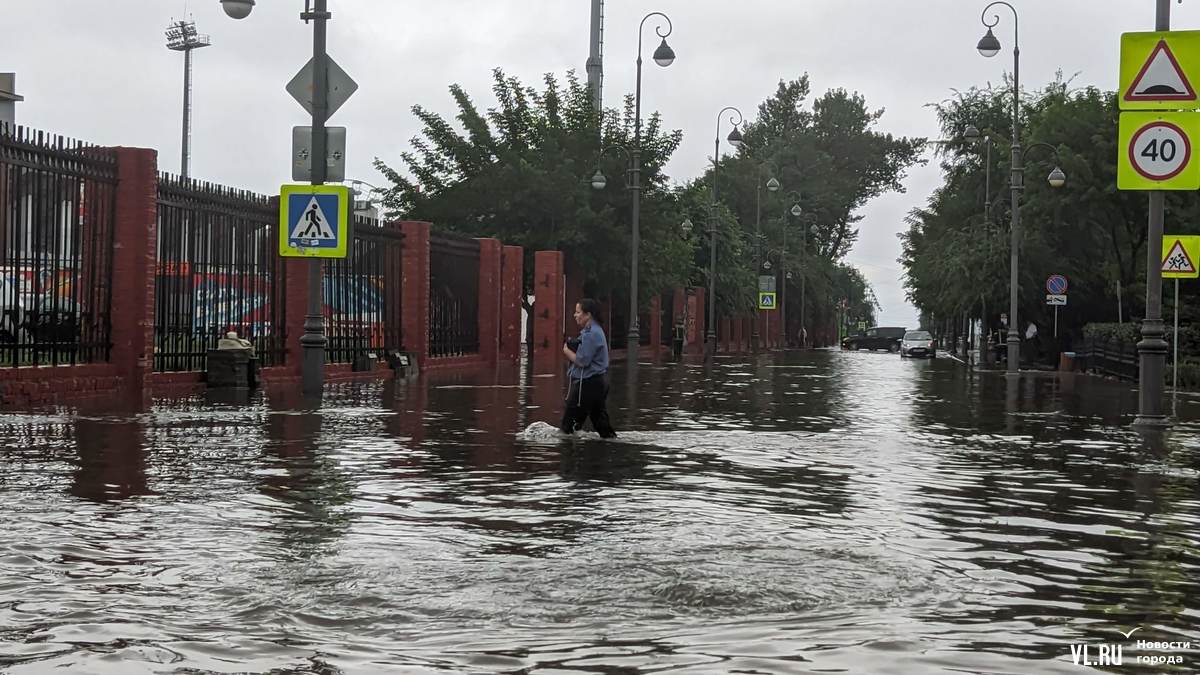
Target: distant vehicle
point(917, 343)
point(876, 338)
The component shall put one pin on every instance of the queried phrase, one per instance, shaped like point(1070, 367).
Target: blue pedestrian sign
point(1056, 284)
point(314, 221)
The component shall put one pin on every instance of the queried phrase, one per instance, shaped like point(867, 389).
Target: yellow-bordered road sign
point(1160, 71)
point(1180, 256)
point(1157, 151)
point(766, 300)
point(314, 221)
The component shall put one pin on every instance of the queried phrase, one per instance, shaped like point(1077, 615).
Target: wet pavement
point(806, 512)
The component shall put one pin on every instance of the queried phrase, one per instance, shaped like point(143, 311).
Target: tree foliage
point(521, 172)
point(956, 258)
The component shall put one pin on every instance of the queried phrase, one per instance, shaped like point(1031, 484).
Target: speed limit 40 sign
point(1157, 151)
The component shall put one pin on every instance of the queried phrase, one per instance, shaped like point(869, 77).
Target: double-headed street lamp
point(772, 185)
point(313, 341)
point(735, 140)
point(796, 211)
point(989, 46)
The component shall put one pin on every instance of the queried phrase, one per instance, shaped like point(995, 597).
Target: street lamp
point(796, 210)
point(599, 182)
point(663, 56)
point(313, 341)
point(989, 46)
point(237, 9)
point(735, 140)
point(772, 186)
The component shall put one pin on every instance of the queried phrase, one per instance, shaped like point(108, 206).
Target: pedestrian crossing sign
point(766, 300)
point(314, 221)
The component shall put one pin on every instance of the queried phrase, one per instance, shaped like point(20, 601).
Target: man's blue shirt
point(592, 356)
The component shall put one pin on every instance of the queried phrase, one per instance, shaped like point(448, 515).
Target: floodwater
point(806, 512)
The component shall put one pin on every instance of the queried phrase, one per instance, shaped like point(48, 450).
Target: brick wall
point(512, 288)
point(548, 323)
point(415, 324)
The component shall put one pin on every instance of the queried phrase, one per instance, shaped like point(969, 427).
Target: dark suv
point(876, 338)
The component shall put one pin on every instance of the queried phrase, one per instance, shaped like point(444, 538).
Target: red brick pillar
point(739, 333)
point(656, 327)
point(416, 290)
point(573, 291)
point(512, 290)
point(295, 299)
point(548, 323)
point(697, 309)
point(489, 299)
point(134, 266)
point(393, 291)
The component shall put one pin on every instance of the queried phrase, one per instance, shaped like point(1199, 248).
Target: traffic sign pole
point(1152, 350)
point(1175, 355)
point(313, 341)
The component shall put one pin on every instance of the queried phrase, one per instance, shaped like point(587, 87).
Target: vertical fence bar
point(57, 202)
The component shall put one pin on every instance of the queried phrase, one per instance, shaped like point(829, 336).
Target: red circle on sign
point(1053, 282)
point(1187, 151)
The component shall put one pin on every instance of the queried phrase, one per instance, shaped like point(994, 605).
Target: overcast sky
point(99, 71)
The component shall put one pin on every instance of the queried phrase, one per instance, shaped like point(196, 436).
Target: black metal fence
point(362, 294)
point(1113, 357)
point(218, 270)
point(57, 209)
point(453, 295)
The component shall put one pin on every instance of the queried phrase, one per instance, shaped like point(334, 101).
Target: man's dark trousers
point(588, 398)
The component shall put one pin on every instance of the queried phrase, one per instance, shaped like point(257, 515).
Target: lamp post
point(735, 140)
point(796, 211)
point(989, 46)
point(313, 341)
point(599, 182)
point(972, 134)
point(663, 56)
point(772, 186)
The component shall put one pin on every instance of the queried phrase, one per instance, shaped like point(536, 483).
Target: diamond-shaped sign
point(339, 86)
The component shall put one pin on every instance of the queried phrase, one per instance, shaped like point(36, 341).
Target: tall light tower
point(182, 37)
point(595, 62)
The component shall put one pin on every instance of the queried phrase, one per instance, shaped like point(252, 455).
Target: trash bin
point(230, 368)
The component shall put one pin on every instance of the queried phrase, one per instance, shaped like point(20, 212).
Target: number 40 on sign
point(1156, 151)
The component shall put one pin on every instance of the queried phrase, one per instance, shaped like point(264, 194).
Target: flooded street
point(802, 512)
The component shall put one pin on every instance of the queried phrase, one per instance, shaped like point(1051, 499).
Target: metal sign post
point(1175, 355)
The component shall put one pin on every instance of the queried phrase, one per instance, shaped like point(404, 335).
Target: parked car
point(876, 338)
point(918, 343)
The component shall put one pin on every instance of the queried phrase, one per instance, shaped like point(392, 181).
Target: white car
point(917, 343)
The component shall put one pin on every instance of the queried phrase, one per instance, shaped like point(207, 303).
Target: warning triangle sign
point(1161, 78)
point(313, 223)
point(1178, 261)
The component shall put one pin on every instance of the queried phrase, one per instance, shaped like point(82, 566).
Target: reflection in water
point(818, 511)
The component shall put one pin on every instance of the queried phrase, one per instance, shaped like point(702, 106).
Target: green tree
point(956, 259)
point(521, 172)
point(831, 152)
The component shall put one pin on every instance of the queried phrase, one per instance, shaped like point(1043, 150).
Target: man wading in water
point(588, 374)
